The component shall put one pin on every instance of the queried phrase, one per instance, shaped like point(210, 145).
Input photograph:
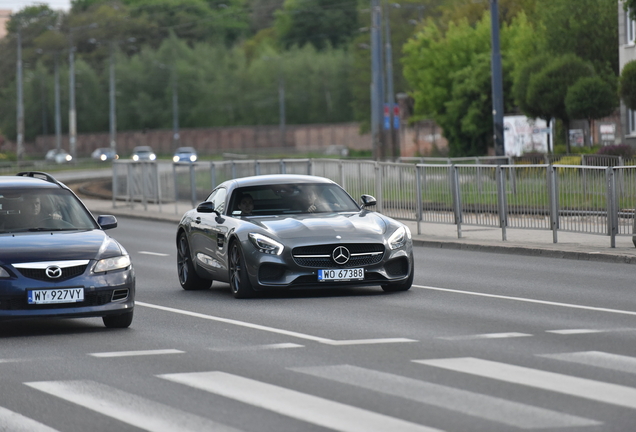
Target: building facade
point(626, 54)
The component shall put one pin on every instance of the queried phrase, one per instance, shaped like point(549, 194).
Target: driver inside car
point(34, 210)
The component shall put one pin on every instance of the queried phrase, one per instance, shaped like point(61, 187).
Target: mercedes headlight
point(265, 244)
point(110, 264)
point(399, 237)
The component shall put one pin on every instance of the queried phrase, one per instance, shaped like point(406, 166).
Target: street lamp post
point(377, 87)
point(20, 108)
point(175, 109)
point(72, 114)
point(497, 81)
point(58, 116)
point(111, 94)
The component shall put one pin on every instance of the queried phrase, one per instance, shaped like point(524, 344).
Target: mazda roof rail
point(41, 175)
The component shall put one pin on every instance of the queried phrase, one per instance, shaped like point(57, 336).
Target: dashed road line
point(486, 336)
point(136, 353)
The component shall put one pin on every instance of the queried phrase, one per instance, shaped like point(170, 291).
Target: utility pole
point(111, 94)
point(58, 116)
point(175, 109)
point(497, 81)
point(72, 119)
point(281, 107)
point(20, 108)
point(377, 87)
point(393, 136)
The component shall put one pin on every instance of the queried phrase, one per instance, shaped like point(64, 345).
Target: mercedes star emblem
point(341, 255)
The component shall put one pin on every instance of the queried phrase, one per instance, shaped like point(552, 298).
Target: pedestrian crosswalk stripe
point(598, 359)
point(291, 403)
point(14, 422)
point(581, 387)
point(128, 408)
point(466, 402)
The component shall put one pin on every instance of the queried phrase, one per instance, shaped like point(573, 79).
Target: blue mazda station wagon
point(55, 258)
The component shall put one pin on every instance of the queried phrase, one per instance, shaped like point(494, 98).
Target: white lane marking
point(273, 329)
point(368, 341)
point(598, 359)
point(127, 408)
point(154, 253)
point(466, 402)
point(258, 347)
point(528, 300)
point(574, 331)
point(136, 353)
point(486, 336)
point(291, 403)
point(14, 422)
point(580, 387)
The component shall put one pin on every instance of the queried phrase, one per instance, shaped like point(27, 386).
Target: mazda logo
point(341, 255)
point(53, 272)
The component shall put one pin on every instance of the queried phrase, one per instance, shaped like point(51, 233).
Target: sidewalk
point(589, 247)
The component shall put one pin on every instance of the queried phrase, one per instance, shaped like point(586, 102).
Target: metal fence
point(569, 198)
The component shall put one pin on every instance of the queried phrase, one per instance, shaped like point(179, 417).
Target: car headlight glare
point(193, 158)
point(135, 158)
point(153, 156)
point(265, 244)
point(103, 157)
point(399, 237)
point(110, 264)
point(4, 273)
point(175, 159)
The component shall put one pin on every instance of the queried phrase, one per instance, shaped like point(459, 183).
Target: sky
point(16, 5)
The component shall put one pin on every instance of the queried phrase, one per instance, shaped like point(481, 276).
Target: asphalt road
point(482, 342)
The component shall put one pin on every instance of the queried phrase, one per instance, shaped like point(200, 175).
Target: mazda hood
point(57, 246)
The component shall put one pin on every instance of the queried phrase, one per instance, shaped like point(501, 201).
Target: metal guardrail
point(569, 198)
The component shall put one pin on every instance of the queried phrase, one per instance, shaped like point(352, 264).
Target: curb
point(527, 251)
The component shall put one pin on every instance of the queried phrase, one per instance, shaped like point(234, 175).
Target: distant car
point(143, 153)
point(55, 259)
point(289, 232)
point(58, 156)
point(104, 154)
point(185, 154)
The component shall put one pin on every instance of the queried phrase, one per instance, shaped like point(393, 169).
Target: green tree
point(590, 98)
point(627, 85)
point(450, 76)
point(317, 22)
point(586, 28)
point(548, 88)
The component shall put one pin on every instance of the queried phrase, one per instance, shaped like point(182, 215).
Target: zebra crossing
point(328, 413)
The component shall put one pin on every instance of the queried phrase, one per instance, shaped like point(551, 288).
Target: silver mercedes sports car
point(288, 232)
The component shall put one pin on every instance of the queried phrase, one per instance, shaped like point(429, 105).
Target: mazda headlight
point(110, 264)
point(399, 237)
point(265, 244)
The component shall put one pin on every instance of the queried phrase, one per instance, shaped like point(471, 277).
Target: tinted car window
point(26, 209)
point(292, 198)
